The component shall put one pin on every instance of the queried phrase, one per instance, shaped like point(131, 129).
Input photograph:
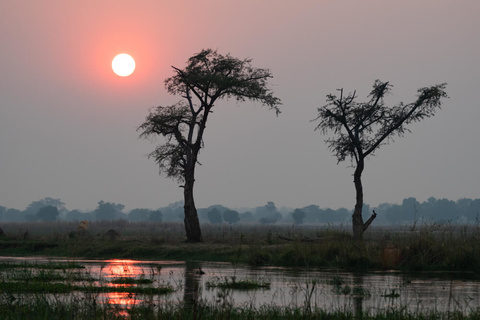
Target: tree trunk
point(192, 225)
point(357, 220)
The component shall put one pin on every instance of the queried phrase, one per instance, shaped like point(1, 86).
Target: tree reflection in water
point(191, 292)
point(358, 294)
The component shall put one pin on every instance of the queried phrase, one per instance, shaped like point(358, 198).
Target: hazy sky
point(68, 123)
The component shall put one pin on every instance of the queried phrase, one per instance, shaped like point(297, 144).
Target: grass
point(46, 278)
point(237, 284)
point(427, 248)
point(36, 291)
point(131, 281)
point(40, 309)
point(49, 265)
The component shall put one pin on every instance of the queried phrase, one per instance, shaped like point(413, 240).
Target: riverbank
point(429, 248)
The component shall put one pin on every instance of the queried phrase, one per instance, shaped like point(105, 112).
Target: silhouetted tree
point(139, 215)
point(35, 206)
point(298, 216)
point(410, 207)
point(470, 209)
point(108, 210)
point(215, 216)
point(312, 213)
point(268, 214)
point(173, 212)
point(14, 215)
point(247, 217)
point(361, 128)
point(75, 215)
point(208, 77)
point(271, 219)
point(265, 211)
point(203, 212)
point(394, 213)
point(48, 213)
point(2, 212)
point(231, 216)
point(155, 216)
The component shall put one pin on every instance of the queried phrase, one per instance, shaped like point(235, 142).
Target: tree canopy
point(208, 77)
point(360, 128)
point(48, 213)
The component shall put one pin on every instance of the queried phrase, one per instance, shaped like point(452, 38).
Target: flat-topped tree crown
point(208, 77)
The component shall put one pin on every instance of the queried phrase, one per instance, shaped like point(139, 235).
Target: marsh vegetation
point(269, 272)
point(429, 247)
point(41, 288)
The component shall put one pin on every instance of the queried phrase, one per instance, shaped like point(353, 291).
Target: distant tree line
point(410, 211)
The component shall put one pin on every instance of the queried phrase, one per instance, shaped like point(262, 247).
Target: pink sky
point(67, 122)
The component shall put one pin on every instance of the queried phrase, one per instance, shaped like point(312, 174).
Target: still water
point(326, 289)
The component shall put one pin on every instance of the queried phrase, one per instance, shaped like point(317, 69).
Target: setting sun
point(123, 65)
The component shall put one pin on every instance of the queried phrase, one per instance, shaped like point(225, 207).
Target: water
point(325, 289)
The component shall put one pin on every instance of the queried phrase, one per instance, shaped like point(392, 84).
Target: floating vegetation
point(131, 281)
point(50, 265)
point(337, 281)
point(29, 278)
point(237, 284)
point(392, 294)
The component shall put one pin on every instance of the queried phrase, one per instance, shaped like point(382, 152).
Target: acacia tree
point(361, 128)
point(208, 77)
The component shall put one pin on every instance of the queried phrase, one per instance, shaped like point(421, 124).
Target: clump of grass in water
point(337, 281)
point(49, 265)
point(233, 283)
point(131, 281)
point(26, 278)
point(392, 294)
point(129, 289)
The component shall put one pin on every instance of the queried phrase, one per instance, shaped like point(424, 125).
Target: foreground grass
point(439, 248)
point(43, 309)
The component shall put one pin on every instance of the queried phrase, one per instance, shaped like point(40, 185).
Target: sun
point(123, 65)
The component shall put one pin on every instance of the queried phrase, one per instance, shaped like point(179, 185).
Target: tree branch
point(369, 221)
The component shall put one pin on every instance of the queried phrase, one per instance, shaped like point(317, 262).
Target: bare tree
point(208, 77)
point(361, 128)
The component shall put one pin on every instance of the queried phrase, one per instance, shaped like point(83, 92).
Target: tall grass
point(50, 309)
point(428, 247)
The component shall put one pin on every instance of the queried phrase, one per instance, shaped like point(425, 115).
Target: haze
point(68, 123)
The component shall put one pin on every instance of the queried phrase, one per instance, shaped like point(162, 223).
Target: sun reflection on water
point(117, 268)
point(123, 273)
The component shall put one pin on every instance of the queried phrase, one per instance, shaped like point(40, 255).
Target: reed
point(48, 309)
point(423, 248)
